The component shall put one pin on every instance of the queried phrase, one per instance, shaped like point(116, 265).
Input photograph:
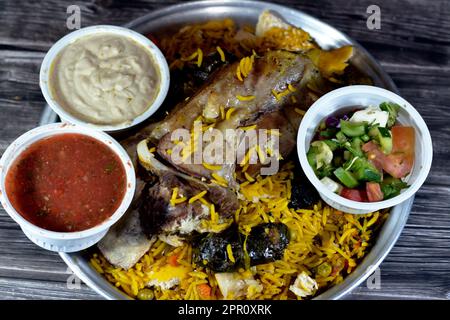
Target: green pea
point(324, 269)
point(145, 294)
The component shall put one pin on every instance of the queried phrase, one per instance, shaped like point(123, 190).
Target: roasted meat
point(271, 73)
point(286, 139)
point(224, 198)
point(158, 216)
point(185, 82)
point(267, 85)
point(151, 217)
point(125, 243)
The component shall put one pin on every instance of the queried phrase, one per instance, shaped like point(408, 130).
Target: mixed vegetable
point(363, 155)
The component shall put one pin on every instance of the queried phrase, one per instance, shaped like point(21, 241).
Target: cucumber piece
point(328, 133)
point(331, 185)
point(363, 170)
point(332, 144)
point(385, 140)
point(340, 136)
point(346, 178)
point(311, 156)
point(324, 155)
point(357, 144)
point(356, 151)
point(367, 174)
point(353, 129)
point(365, 138)
point(373, 132)
point(383, 137)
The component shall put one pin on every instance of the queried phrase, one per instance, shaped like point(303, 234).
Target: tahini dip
point(105, 79)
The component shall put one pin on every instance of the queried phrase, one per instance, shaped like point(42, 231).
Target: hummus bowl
point(99, 80)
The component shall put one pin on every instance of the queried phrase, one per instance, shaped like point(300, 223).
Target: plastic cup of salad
point(364, 149)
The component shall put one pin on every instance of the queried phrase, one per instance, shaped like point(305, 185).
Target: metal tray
point(165, 20)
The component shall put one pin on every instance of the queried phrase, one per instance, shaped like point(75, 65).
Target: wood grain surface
point(413, 46)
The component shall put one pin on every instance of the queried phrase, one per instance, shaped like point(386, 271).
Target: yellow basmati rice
point(321, 235)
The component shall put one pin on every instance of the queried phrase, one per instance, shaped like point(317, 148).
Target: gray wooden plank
point(20, 99)
point(46, 20)
point(20, 289)
point(411, 31)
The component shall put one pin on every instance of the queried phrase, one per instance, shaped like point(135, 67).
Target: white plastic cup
point(65, 241)
point(155, 53)
point(351, 96)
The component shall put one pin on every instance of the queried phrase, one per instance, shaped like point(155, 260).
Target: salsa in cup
point(66, 182)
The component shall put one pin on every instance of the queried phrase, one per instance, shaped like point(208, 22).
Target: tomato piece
point(397, 166)
point(369, 146)
point(354, 194)
point(374, 155)
point(403, 140)
point(400, 162)
point(374, 192)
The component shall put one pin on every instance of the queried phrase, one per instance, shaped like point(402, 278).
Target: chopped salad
point(363, 155)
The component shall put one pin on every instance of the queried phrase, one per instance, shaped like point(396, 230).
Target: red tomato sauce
point(67, 182)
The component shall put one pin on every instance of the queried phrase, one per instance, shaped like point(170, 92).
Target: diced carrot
point(172, 260)
point(204, 291)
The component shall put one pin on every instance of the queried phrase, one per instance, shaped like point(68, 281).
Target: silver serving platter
point(246, 12)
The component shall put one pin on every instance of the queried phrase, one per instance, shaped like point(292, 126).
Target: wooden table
point(413, 46)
